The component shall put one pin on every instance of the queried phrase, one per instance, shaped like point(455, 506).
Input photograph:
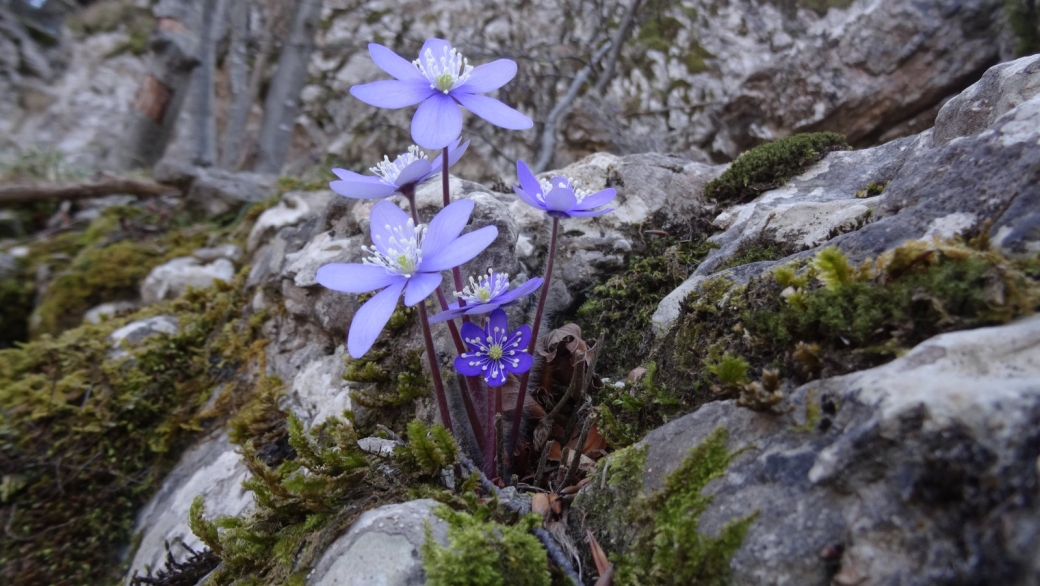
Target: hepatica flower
point(403, 258)
point(494, 350)
point(402, 174)
point(440, 81)
point(558, 197)
point(487, 294)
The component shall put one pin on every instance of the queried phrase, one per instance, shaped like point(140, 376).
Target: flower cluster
point(408, 257)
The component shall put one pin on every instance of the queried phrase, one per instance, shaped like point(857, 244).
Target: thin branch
point(107, 185)
point(627, 22)
point(548, 142)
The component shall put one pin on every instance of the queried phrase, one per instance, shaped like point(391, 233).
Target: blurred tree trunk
point(163, 91)
point(212, 26)
point(238, 76)
point(282, 103)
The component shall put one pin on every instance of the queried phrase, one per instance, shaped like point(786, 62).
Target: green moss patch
point(86, 438)
point(654, 539)
point(621, 308)
point(770, 165)
point(758, 249)
point(483, 552)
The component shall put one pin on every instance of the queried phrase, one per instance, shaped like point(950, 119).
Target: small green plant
point(833, 269)
point(875, 188)
point(730, 370)
point(429, 449)
point(630, 410)
point(482, 552)
point(769, 166)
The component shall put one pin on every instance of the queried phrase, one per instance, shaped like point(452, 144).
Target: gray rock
point(105, 310)
point(923, 470)
point(215, 191)
point(134, 332)
point(318, 389)
point(382, 548)
point(171, 279)
point(294, 208)
point(1002, 88)
point(212, 469)
point(231, 252)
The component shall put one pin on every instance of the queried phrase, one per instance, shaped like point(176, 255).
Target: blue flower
point(404, 258)
point(558, 197)
point(402, 174)
point(487, 294)
point(440, 80)
point(494, 350)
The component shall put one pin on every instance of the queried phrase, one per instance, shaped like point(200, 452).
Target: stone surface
point(923, 469)
point(1001, 88)
point(169, 280)
point(212, 469)
point(125, 337)
point(231, 252)
point(105, 310)
point(382, 548)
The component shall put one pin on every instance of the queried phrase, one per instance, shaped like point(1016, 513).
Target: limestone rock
point(171, 279)
point(134, 332)
point(1001, 88)
point(922, 471)
point(96, 314)
point(381, 548)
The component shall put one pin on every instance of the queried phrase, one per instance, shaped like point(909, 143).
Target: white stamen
point(445, 73)
point(403, 251)
point(489, 287)
point(389, 170)
point(547, 186)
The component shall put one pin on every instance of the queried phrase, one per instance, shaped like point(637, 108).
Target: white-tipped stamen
point(565, 183)
point(445, 72)
point(389, 170)
point(403, 251)
point(487, 288)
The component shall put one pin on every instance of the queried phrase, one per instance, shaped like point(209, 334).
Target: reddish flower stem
point(514, 434)
point(490, 441)
point(435, 369)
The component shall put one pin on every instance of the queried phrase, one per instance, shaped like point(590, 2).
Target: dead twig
point(106, 185)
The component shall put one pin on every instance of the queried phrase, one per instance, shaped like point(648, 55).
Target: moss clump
point(429, 450)
point(1024, 18)
point(630, 410)
point(757, 250)
point(654, 539)
point(874, 189)
point(770, 165)
point(87, 438)
point(482, 552)
point(622, 307)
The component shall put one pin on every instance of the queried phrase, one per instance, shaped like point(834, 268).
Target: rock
point(922, 470)
point(295, 207)
point(381, 548)
point(1001, 88)
point(107, 310)
point(231, 252)
point(132, 333)
point(212, 469)
point(171, 279)
point(215, 191)
point(318, 389)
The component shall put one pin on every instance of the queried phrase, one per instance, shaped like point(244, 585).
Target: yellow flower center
point(495, 351)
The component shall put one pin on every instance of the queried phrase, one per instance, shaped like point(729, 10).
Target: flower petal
point(524, 363)
point(393, 63)
point(463, 249)
point(596, 199)
point(371, 318)
point(437, 122)
point(527, 180)
point(354, 278)
point(471, 331)
point(479, 309)
point(420, 285)
point(588, 213)
point(498, 321)
point(489, 77)
point(348, 175)
point(521, 338)
point(384, 217)
point(455, 154)
point(493, 111)
point(362, 187)
point(450, 313)
point(560, 199)
point(524, 289)
point(446, 226)
point(436, 46)
point(393, 94)
point(416, 171)
point(524, 197)
point(495, 375)
point(470, 366)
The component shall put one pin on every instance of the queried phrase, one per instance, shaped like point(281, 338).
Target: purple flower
point(403, 173)
point(487, 294)
point(494, 350)
point(558, 197)
point(440, 80)
point(404, 257)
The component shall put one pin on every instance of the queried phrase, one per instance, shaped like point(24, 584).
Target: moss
point(653, 539)
point(630, 410)
point(429, 450)
point(622, 307)
point(874, 189)
point(482, 552)
point(87, 438)
point(695, 56)
point(757, 250)
point(768, 166)
point(813, 413)
point(730, 370)
point(1024, 19)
